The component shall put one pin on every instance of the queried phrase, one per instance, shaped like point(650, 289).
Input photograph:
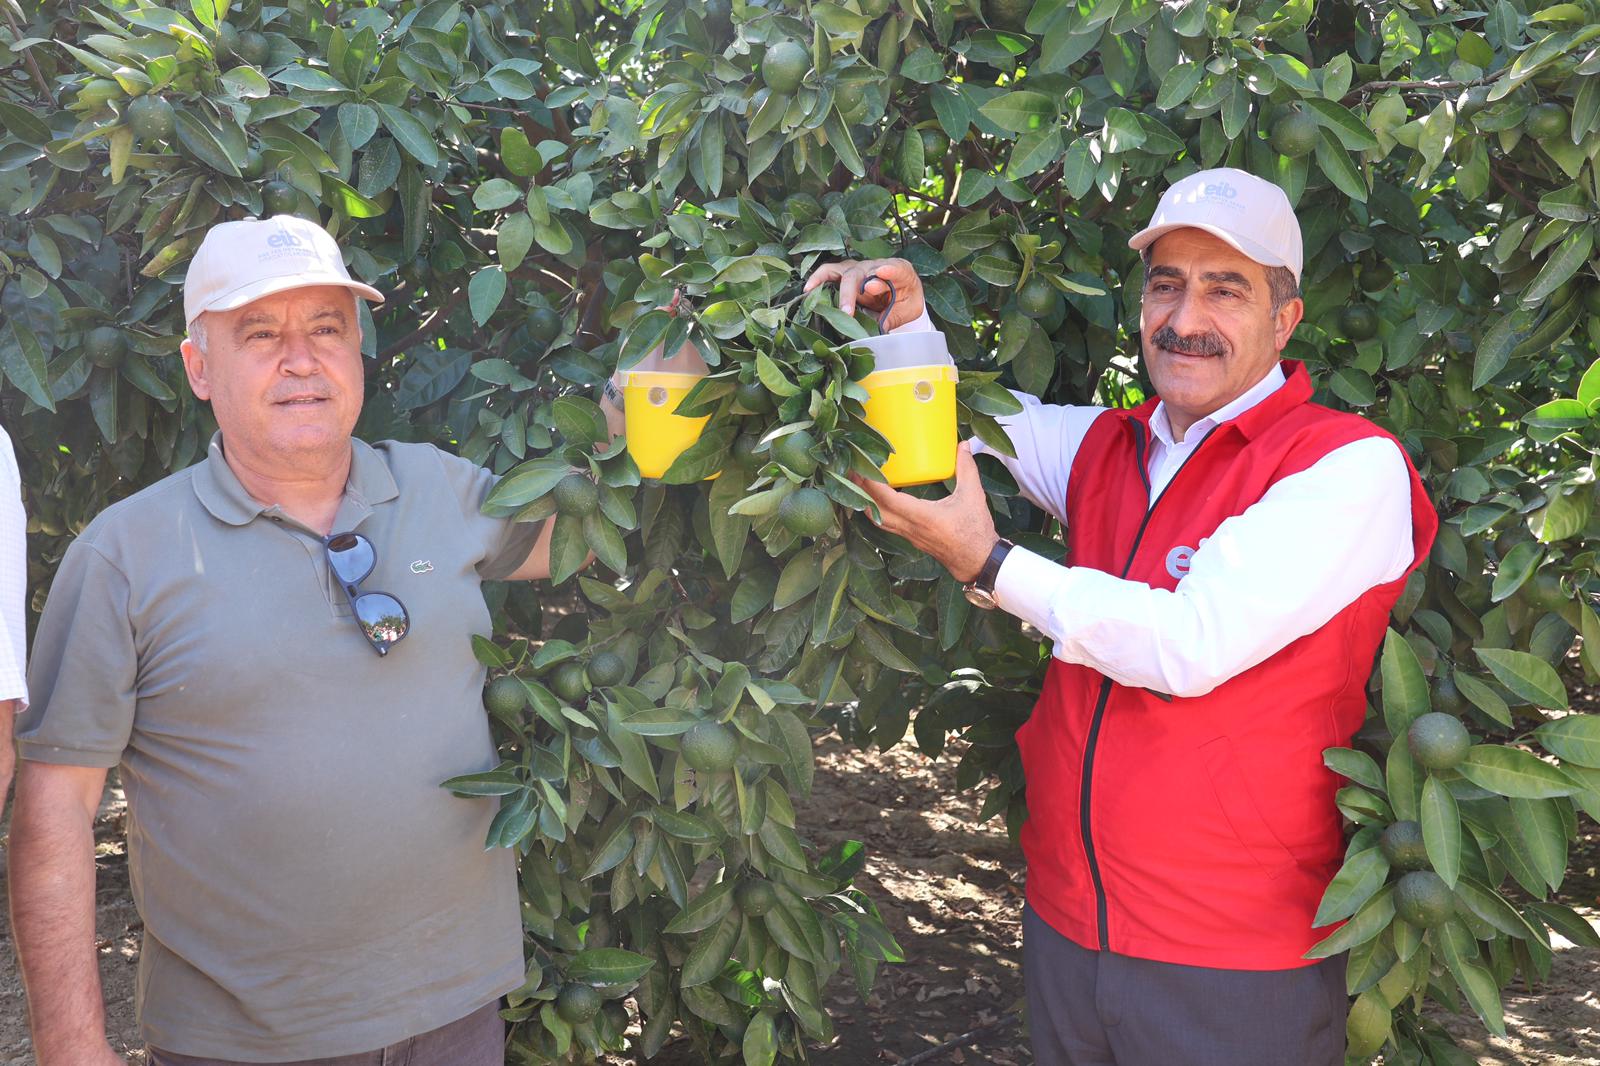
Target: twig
point(1520, 196)
point(33, 64)
point(1378, 86)
point(394, 349)
point(963, 1040)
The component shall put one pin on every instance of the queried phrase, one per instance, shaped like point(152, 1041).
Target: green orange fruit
point(709, 746)
point(806, 512)
point(752, 396)
point(1422, 898)
point(254, 48)
point(576, 496)
point(152, 119)
point(567, 682)
point(1402, 845)
point(1545, 121)
point(756, 896)
point(784, 66)
point(1037, 298)
point(279, 198)
point(793, 452)
point(606, 668)
point(105, 346)
point(1295, 134)
point(1438, 741)
point(577, 1003)
point(505, 697)
point(544, 324)
point(1358, 322)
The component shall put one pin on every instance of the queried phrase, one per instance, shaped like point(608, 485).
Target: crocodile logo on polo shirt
point(421, 566)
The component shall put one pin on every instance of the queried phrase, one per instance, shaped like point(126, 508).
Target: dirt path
point(951, 893)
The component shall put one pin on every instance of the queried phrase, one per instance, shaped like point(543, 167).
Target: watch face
point(979, 598)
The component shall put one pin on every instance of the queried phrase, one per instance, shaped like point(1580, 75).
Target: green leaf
point(486, 783)
point(495, 194)
point(414, 138)
point(1358, 766)
point(1527, 676)
point(1345, 124)
point(513, 240)
point(568, 549)
point(1441, 830)
point(1372, 919)
point(1492, 907)
point(517, 154)
point(1517, 567)
point(1476, 983)
point(23, 361)
point(1514, 772)
point(1494, 351)
point(705, 910)
point(1544, 837)
point(703, 458)
point(1020, 111)
point(358, 122)
point(760, 1044)
point(1574, 738)
point(1334, 161)
point(710, 952)
point(608, 966)
point(1569, 256)
point(606, 542)
point(1568, 922)
point(1357, 881)
point(485, 291)
point(1405, 686)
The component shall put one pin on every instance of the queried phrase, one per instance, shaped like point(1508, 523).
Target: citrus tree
point(551, 191)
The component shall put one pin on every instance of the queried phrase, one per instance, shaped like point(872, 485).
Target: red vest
point(1199, 831)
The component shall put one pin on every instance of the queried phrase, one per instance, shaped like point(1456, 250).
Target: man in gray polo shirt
point(282, 716)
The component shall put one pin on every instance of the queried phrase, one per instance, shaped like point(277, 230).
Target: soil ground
point(950, 891)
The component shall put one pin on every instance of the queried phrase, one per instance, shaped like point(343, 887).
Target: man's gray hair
point(1280, 282)
point(197, 332)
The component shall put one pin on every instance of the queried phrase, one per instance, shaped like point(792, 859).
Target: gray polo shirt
point(308, 889)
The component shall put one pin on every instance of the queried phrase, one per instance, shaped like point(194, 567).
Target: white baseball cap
point(254, 257)
point(1248, 212)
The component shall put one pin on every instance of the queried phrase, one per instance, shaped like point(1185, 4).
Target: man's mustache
point(1194, 344)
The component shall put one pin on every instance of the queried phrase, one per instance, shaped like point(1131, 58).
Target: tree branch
point(969, 1037)
point(33, 64)
point(451, 303)
point(1515, 192)
point(1378, 86)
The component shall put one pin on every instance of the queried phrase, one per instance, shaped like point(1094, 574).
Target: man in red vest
point(1233, 551)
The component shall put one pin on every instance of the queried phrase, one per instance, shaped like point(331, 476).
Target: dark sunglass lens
point(382, 618)
point(351, 557)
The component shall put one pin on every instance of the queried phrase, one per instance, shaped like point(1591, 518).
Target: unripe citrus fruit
point(753, 397)
point(806, 512)
point(1006, 14)
point(874, 9)
point(1591, 299)
point(577, 1003)
point(1438, 741)
point(606, 668)
point(1545, 590)
point(616, 1017)
point(105, 346)
point(784, 66)
point(254, 48)
point(756, 896)
point(227, 39)
point(850, 97)
point(505, 697)
point(279, 198)
point(744, 449)
point(1376, 275)
point(793, 452)
point(1447, 696)
point(1402, 845)
point(1545, 120)
point(97, 91)
point(577, 496)
point(544, 324)
point(1295, 134)
point(567, 682)
point(152, 119)
point(1358, 322)
point(709, 746)
point(1422, 898)
point(934, 145)
point(1037, 298)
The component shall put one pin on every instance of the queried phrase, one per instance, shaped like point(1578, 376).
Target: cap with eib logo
point(1248, 212)
point(254, 257)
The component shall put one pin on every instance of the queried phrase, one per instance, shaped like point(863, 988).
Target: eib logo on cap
point(1248, 212)
point(240, 262)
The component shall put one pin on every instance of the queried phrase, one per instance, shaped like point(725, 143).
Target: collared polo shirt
point(308, 889)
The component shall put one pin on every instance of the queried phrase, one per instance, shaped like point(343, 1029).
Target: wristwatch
point(980, 590)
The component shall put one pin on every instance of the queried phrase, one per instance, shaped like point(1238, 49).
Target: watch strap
point(990, 571)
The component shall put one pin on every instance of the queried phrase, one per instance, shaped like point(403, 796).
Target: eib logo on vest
point(1179, 558)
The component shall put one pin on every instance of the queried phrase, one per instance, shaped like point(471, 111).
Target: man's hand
point(854, 287)
point(957, 530)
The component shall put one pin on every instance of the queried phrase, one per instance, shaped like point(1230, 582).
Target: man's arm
point(8, 750)
point(52, 912)
point(1316, 542)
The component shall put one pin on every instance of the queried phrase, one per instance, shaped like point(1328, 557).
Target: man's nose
point(1188, 317)
point(298, 356)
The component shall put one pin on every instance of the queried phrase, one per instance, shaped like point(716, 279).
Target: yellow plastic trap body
point(911, 400)
point(651, 392)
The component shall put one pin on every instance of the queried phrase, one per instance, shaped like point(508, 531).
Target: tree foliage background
point(529, 181)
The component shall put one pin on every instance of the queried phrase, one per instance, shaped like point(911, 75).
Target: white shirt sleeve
point(13, 578)
point(1046, 438)
point(1310, 547)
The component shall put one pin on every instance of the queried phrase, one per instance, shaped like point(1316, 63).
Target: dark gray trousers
point(479, 1039)
point(1095, 1008)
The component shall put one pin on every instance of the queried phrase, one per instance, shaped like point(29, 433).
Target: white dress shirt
point(1316, 542)
point(13, 579)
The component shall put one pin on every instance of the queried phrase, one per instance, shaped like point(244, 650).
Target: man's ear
point(194, 365)
point(1285, 320)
